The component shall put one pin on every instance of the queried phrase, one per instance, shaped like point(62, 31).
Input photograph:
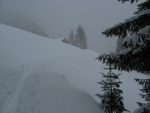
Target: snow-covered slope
point(23, 49)
point(42, 91)
point(31, 84)
point(30, 55)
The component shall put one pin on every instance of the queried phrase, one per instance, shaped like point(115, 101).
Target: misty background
point(58, 17)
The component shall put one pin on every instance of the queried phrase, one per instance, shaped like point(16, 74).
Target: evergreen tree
point(145, 92)
point(77, 40)
point(71, 38)
point(135, 54)
point(146, 88)
point(136, 34)
point(111, 99)
point(81, 38)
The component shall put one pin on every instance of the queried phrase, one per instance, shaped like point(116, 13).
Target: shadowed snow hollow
point(47, 92)
point(42, 91)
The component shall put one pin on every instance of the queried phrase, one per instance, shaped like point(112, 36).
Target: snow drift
point(42, 91)
point(33, 58)
point(28, 81)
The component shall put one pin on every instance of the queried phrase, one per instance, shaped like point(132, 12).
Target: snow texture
point(42, 75)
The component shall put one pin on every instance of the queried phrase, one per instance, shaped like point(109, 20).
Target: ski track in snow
point(12, 101)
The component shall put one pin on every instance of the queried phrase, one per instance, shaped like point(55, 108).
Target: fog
point(58, 17)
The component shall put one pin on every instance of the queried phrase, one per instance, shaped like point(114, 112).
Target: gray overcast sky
point(60, 16)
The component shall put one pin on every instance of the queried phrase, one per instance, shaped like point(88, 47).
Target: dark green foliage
point(143, 6)
point(135, 52)
point(145, 83)
point(132, 1)
point(146, 88)
point(111, 99)
point(133, 28)
point(129, 27)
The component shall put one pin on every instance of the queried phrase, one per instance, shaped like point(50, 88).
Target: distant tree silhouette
point(81, 38)
point(78, 39)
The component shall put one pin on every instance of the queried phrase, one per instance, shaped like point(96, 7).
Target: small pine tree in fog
point(81, 38)
point(71, 38)
point(78, 39)
point(111, 99)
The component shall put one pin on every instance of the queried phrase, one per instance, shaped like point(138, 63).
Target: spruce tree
point(135, 54)
point(146, 88)
point(111, 99)
point(71, 38)
point(81, 38)
point(136, 34)
point(145, 92)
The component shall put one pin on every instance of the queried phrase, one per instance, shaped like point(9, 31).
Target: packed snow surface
point(42, 75)
point(42, 91)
